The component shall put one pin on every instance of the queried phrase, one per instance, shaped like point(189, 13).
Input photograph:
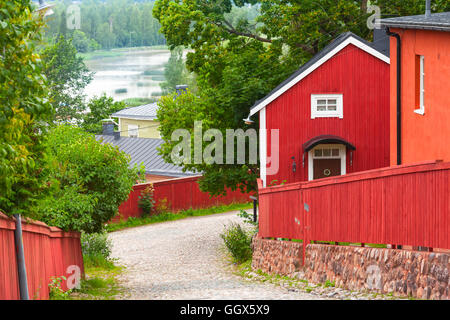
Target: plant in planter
point(146, 202)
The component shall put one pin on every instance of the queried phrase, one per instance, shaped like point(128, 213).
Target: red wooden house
point(332, 115)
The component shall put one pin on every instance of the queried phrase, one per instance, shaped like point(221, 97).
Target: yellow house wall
point(147, 128)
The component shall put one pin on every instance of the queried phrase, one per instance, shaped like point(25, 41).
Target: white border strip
point(263, 146)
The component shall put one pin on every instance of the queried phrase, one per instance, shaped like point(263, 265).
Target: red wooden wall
point(181, 194)
point(48, 252)
point(364, 82)
point(402, 205)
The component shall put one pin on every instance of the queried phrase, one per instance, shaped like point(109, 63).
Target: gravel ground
point(185, 259)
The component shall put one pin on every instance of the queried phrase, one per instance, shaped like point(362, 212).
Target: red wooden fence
point(402, 205)
point(181, 194)
point(48, 253)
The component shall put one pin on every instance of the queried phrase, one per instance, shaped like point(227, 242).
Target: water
point(131, 74)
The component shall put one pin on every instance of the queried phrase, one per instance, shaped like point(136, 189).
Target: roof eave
point(401, 25)
point(133, 117)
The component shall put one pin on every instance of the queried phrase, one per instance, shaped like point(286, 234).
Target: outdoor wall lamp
point(294, 165)
point(248, 120)
point(351, 158)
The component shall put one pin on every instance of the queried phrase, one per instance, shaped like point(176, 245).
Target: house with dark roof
point(138, 122)
point(144, 151)
point(141, 121)
point(332, 114)
point(420, 84)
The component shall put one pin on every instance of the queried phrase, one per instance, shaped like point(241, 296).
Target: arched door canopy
point(326, 139)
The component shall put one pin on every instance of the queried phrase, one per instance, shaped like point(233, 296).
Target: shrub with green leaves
point(88, 180)
point(146, 201)
point(24, 107)
point(94, 244)
point(96, 248)
point(238, 242)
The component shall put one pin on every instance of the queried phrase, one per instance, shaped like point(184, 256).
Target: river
point(123, 73)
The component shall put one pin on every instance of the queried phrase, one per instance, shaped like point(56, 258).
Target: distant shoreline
point(116, 52)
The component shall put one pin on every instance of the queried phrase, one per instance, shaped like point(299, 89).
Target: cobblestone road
point(184, 259)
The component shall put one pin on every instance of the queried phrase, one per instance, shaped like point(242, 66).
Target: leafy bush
point(146, 202)
point(162, 206)
point(96, 244)
point(100, 108)
point(88, 180)
point(55, 290)
point(248, 218)
point(24, 107)
point(96, 248)
point(238, 242)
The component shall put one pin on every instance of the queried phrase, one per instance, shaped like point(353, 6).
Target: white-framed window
point(326, 152)
point(327, 105)
point(420, 73)
point(133, 130)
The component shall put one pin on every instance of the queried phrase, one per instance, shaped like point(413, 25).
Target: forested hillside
point(106, 24)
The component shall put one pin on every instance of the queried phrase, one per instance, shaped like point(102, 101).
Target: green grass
point(116, 52)
point(153, 72)
point(158, 78)
point(134, 102)
point(170, 216)
point(100, 282)
point(357, 244)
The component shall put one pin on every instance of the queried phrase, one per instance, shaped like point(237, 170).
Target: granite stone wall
point(423, 275)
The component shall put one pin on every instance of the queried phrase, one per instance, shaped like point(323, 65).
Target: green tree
point(175, 72)
point(68, 76)
point(24, 107)
point(100, 108)
point(239, 58)
point(88, 180)
point(82, 43)
point(409, 7)
point(112, 23)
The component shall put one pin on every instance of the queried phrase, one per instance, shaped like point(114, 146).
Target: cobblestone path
point(185, 259)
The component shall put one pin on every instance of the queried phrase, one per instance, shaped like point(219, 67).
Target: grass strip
point(171, 216)
point(100, 281)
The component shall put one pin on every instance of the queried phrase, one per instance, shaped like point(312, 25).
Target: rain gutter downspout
point(399, 92)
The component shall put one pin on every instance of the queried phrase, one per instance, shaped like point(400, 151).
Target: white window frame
point(421, 109)
point(339, 113)
point(342, 155)
point(131, 128)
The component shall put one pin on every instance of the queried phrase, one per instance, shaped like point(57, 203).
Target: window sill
point(327, 116)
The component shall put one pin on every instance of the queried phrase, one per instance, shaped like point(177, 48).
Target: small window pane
point(321, 102)
point(332, 108)
point(321, 108)
point(318, 152)
point(133, 130)
point(332, 101)
point(335, 152)
point(326, 152)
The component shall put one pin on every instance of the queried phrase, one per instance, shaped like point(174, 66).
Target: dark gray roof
point(144, 150)
point(144, 112)
point(437, 21)
point(330, 47)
